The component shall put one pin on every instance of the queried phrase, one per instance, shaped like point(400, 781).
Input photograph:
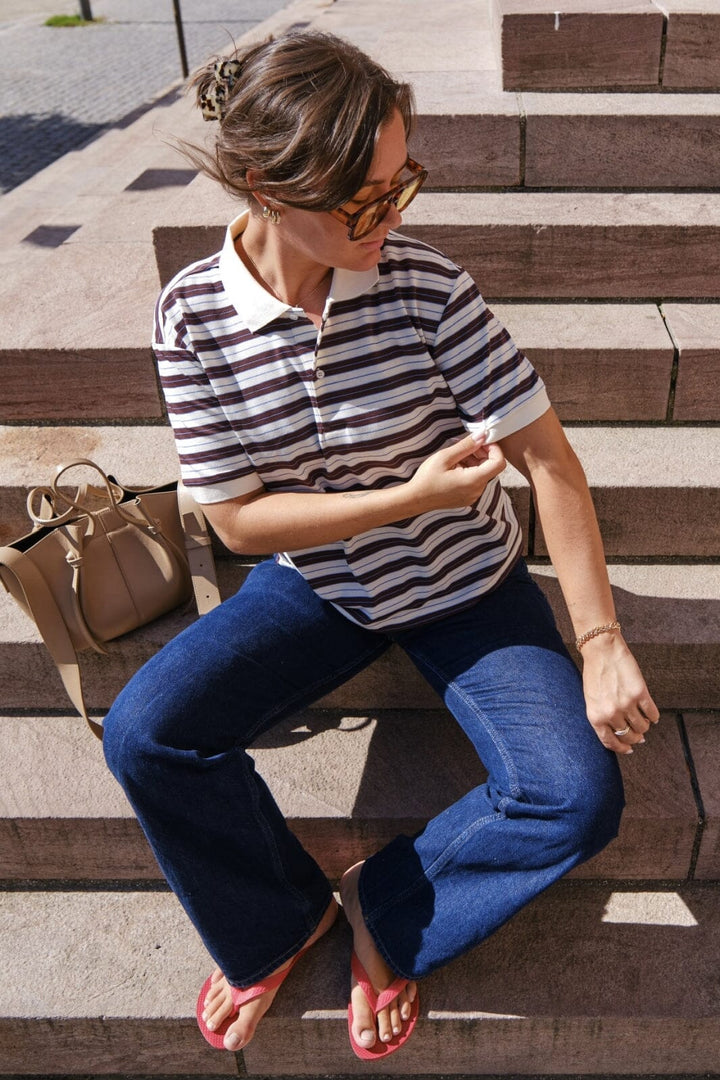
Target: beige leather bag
point(105, 560)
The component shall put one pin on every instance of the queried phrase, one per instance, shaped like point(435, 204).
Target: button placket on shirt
point(318, 378)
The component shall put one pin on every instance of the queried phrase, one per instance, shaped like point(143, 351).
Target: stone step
point(591, 140)
point(84, 354)
point(106, 983)
point(521, 245)
point(334, 774)
point(669, 614)
point(628, 349)
point(695, 330)
point(138, 456)
point(610, 45)
point(667, 478)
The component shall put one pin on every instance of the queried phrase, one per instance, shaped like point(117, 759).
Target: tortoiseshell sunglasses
point(369, 216)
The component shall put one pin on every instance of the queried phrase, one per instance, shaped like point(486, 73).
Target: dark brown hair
point(303, 114)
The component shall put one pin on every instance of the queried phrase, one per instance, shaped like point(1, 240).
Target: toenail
point(396, 1031)
point(210, 1026)
point(232, 1042)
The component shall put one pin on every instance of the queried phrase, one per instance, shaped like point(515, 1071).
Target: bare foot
point(218, 1004)
point(367, 1029)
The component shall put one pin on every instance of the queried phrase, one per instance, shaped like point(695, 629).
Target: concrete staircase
point(591, 222)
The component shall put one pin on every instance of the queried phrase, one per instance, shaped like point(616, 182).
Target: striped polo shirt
point(408, 360)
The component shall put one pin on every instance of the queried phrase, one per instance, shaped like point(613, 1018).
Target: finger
point(611, 741)
point(454, 454)
point(649, 710)
point(626, 737)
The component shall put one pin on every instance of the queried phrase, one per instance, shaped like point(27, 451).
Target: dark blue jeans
point(176, 740)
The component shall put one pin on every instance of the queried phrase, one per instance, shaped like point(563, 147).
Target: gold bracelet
point(606, 629)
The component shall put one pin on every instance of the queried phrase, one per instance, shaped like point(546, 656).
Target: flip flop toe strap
point(375, 1000)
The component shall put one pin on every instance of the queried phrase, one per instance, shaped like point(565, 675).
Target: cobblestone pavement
point(60, 87)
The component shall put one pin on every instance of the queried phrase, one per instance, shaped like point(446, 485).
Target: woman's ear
point(252, 179)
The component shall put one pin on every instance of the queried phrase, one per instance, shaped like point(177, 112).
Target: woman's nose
point(393, 217)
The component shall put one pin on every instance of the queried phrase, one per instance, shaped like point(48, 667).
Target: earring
point(270, 215)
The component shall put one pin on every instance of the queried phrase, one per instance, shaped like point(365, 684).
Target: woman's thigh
point(273, 648)
point(503, 671)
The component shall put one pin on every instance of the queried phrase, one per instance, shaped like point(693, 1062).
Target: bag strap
point(51, 624)
point(199, 551)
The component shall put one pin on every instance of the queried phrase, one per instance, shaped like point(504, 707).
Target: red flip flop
point(378, 1002)
point(239, 997)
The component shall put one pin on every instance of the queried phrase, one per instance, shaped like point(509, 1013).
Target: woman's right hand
point(457, 475)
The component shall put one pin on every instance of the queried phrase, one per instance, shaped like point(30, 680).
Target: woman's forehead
point(390, 153)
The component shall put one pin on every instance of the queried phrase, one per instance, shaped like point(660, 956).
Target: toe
point(384, 1025)
point(364, 1030)
point(395, 1019)
point(238, 1035)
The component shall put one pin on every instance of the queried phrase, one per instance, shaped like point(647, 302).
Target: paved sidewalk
point(60, 87)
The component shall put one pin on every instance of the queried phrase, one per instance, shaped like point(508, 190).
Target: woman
point(342, 395)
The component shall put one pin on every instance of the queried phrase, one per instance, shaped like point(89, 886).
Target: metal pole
point(181, 38)
point(85, 11)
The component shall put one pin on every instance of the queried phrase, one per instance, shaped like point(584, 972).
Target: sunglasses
point(369, 216)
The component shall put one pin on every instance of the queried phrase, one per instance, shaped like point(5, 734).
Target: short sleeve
point(213, 464)
point(494, 384)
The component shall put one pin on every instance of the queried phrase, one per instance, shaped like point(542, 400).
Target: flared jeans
point(177, 740)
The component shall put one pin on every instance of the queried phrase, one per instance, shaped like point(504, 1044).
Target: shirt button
point(319, 373)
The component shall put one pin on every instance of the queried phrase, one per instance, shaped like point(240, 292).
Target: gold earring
point(270, 215)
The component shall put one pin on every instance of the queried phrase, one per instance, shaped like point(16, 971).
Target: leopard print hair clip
point(213, 101)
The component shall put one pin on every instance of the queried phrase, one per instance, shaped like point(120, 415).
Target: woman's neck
point(295, 281)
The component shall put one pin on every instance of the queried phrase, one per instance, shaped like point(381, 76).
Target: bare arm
point(615, 691)
point(263, 522)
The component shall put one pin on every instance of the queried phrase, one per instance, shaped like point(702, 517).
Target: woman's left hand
point(616, 696)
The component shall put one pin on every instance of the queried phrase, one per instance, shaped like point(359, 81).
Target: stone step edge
point(331, 773)
point(629, 349)
point(559, 1007)
point(667, 613)
point(520, 245)
point(142, 455)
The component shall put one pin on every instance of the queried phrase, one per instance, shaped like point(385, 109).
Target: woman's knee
point(592, 810)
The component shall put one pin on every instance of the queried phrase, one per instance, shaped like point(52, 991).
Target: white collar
point(255, 305)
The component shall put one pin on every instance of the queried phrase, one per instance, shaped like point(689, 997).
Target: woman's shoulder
point(199, 281)
point(405, 255)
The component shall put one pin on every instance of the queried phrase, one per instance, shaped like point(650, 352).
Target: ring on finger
point(623, 731)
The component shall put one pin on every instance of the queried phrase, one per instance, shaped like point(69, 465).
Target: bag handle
point(39, 599)
point(114, 493)
point(51, 624)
